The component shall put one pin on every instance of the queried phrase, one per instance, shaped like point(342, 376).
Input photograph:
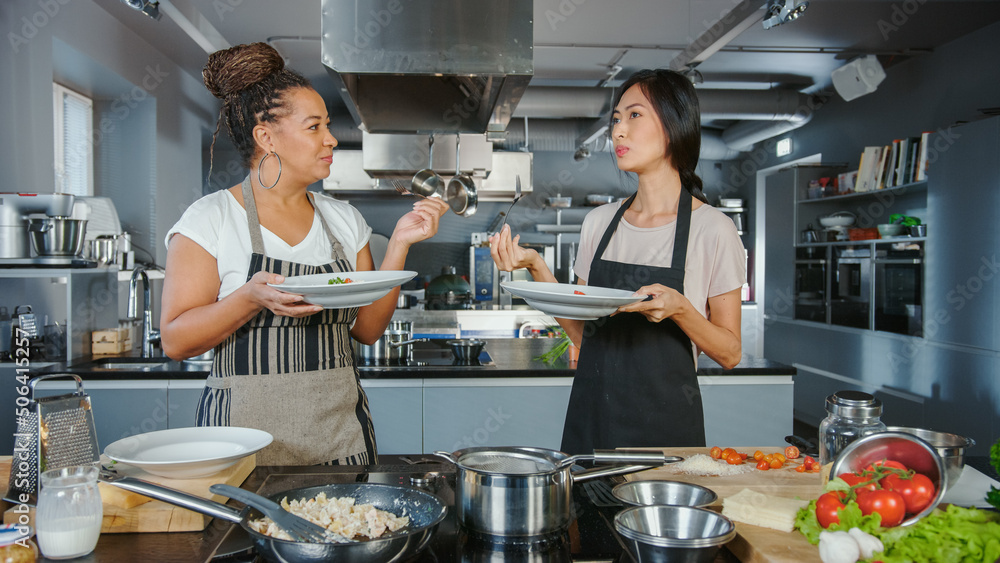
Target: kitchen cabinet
point(463, 413)
point(868, 284)
point(397, 410)
point(68, 303)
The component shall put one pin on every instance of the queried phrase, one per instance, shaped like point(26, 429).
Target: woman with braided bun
point(636, 384)
point(281, 364)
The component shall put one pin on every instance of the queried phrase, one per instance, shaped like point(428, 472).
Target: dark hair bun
point(233, 70)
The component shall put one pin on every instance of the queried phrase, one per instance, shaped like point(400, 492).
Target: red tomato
point(716, 452)
point(791, 452)
point(888, 504)
point(809, 462)
point(886, 463)
point(776, 464)
point(917, 492)
point(827, 506)
point(763, 465)
point(734, 459)
point(801, 468)
point(855, 481)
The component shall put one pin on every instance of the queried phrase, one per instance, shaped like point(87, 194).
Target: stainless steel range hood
point(422, 66)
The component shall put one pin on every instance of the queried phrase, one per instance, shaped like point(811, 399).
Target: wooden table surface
point(753, 544)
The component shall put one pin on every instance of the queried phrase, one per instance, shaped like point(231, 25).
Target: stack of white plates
point(569, 301)
point(188, 453)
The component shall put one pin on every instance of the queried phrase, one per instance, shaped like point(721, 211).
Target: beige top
point(716, 260)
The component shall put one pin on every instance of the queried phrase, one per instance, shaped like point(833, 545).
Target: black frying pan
point(425, 510)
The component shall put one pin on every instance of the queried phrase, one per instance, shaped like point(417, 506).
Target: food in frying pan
point(339, 280)
point(340, 515)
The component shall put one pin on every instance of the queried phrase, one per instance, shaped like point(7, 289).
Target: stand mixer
point(14, 211)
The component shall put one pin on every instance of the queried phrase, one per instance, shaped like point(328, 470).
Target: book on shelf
point(920, 174)
point(867, 168)
point(890, 164)
point(881, 169)
point(911, 160)
point(904, 149)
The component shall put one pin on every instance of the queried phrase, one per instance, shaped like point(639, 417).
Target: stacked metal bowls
point(951, 448)
point(684, 534)
point(671, 493)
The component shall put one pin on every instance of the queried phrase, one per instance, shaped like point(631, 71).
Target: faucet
point(150, 337)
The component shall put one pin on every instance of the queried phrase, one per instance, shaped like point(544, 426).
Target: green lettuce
point(954, 534)
point(850, 517)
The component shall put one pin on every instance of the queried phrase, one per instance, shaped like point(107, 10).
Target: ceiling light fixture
point(783, 11)
point(692, 74)
point(150, 8)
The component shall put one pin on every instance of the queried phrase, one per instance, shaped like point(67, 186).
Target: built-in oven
point(811, 267)
point(899, 290)
point(850, 287)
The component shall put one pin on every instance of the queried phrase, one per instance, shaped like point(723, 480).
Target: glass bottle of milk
point(69, 512)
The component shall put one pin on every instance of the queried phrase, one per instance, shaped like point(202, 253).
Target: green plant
point(993, 496)
point(559, 349)
point(904, 220)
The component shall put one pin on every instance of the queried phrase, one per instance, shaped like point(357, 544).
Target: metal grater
point(55, 432)
point(26, 322)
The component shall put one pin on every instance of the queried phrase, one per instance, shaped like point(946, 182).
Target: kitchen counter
point(512, 357)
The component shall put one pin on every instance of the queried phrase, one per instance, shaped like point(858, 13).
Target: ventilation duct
point(426, 66)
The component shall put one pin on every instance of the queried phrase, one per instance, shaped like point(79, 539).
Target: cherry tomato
point(734, 459)
point(858, 482)
point(791, 452)
point(780, 457)
point(801, 468)
point(727, 452)
point(716, 452)
point(743, 456)
point(763, 465)
point(888, 504)
point(917, 492)
point(768, 457)
point(809, 462)
point(827, 506)
point(776, 464)
point(578, 292)
point(757, 455)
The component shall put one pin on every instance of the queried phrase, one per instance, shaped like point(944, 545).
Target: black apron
point(636, 383)
point(293, 377)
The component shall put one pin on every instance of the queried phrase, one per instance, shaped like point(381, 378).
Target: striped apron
point(292, 377)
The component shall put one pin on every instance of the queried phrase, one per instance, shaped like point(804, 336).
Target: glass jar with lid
point(850, 415)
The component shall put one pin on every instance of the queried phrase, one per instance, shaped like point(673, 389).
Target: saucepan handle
point(608, 471)
point(446, 455)
point(645, 457)
point(175, 497)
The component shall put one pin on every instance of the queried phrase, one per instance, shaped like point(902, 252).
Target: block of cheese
point(760, 509)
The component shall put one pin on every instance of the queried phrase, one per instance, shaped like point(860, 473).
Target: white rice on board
point(701, 464)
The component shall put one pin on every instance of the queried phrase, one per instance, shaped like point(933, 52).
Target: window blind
point(74, 152)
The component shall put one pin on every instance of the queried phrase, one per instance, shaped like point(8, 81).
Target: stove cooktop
point(431, 355)
point(589, 539)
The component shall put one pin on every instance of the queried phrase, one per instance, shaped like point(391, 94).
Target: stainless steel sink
point(129, 364)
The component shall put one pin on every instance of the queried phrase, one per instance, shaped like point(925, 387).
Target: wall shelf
point(896, 190)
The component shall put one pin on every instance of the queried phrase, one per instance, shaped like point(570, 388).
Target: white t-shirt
point(715, 264)
point(218, 223)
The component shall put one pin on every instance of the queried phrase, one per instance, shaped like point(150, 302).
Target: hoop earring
point(261, 163)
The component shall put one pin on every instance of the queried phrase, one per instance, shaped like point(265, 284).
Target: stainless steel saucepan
point(392, 346)
point(425, 510)
point(525, 491)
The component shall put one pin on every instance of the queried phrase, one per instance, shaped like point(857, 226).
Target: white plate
point(560, 299)
point(364, 289)
point(187, 453)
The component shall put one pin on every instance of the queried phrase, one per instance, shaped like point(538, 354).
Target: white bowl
point(891, 230)
point(837, 220)
point(188, 453)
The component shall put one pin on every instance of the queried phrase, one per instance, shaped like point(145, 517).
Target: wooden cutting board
point(148, 515)
point(753, 544)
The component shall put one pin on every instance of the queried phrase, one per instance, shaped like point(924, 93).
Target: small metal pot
point(392, 347)
point(57, 236)
point(103, 249)
point(466, 349)
point(527, 492)
point(460, 193)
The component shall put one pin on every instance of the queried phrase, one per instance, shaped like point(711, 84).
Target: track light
point(149, 7)
point(782, 11)
point(692, 74)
